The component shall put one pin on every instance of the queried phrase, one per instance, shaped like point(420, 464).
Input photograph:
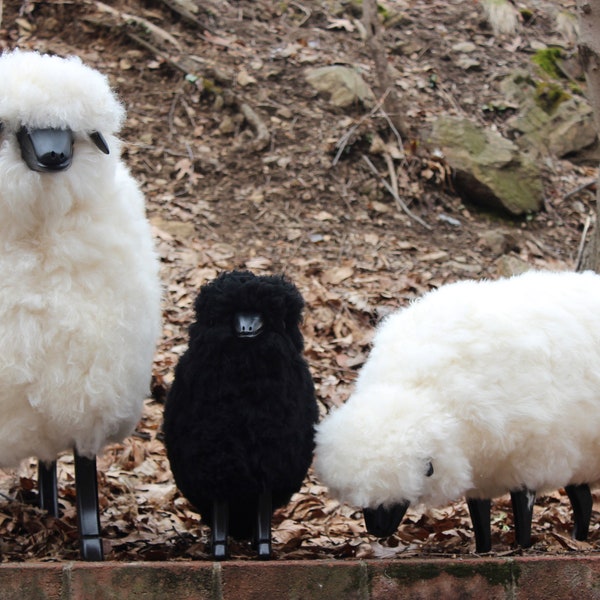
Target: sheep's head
point(243, 306)
point(45, 101)
point(384, 520)
point(387, 449)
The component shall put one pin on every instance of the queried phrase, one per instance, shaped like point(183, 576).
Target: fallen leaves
point(308, 206)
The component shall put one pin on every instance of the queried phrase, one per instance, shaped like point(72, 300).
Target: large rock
point(487, 168)
point(549, 121)
point(343, 86)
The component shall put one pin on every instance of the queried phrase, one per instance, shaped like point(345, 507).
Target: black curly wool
point(240, 415)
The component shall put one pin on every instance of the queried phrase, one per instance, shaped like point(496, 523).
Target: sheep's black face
point(383, 522)
point(240, 305)
point(248, 325)
point(46, 149)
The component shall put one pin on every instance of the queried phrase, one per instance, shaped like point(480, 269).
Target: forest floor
point(221, 195)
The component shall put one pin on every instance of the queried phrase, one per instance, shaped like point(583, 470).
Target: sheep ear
point(429, 471)
point(99, 141)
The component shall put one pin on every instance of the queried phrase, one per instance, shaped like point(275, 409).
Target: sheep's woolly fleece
point(496, 383)
point(80, 295)
point(242, 411)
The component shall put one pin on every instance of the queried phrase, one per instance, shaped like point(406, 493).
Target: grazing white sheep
point(80, 293)
point(476, 389)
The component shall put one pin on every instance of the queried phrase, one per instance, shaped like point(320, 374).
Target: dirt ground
point(245, 166)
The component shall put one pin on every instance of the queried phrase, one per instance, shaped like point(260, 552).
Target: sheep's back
point(516, 362)
point(495, 384)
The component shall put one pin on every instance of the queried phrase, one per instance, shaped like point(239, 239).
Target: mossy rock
point(488, 169)
point(549, 119)
point(343, 86)
point(547, 60)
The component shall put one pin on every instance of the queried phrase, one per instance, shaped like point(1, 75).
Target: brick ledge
point(519, 578)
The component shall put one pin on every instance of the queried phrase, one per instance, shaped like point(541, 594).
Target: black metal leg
point(47, 487)
point(88, 516)
point(220, 529)
point(480, 517)
point(581, 501)
point(522, 503)
point(263, 525)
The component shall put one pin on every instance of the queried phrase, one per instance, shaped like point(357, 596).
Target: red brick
point(150, 581)
point(557, 578)
point(283, 580)
point(31, 581)
point(413, 579)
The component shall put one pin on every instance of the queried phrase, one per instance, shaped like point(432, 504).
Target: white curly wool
point(496, 384)
point(79, 293)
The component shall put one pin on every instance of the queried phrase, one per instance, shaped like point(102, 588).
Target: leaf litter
point(305, 204)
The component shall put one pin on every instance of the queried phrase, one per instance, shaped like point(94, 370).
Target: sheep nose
point(248, 325)
point(46, 149)
point(381, 521)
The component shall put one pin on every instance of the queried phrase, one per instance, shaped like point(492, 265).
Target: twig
point(584, 233)
point(343, 141)
point(392, 173)
point(305, 10)
point(262, 132)
point(583, 186)
point(127, 18)
point(394, 131)
point(378, 51)
point(395, 195)
point(187, 15)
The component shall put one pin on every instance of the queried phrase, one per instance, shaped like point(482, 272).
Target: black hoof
point(88, 516)
point(91, 549)
point(48, 488)
point(219, 551)
point(522, 503)
point(264, 550)
point(582, 502)
point(480, 517)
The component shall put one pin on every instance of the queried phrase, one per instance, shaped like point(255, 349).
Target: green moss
point(526, 14)
point(549, 95)
point(575, 88)
point(384, 13)
point(547, 59)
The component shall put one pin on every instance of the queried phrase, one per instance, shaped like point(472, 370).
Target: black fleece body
point(240, 415)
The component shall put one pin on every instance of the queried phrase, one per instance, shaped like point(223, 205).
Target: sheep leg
point(220, 529)
point(88, 517)
point(522, 503)
point(47, 487)
point(581, 501)
point(480, 517)
point(262, 538)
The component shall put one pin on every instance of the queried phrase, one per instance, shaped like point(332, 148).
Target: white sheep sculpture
point(80, 294)
point(476, 389)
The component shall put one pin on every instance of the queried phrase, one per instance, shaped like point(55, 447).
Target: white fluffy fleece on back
point(496, 384)
point(79, 293)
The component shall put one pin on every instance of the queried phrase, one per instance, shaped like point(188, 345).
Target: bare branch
point(396, 197)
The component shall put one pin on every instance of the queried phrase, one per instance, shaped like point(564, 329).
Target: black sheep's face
point(248, 325)
point(50, 150)
point(242, 306)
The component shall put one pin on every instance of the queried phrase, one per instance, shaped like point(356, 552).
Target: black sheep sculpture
point(240, 415)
